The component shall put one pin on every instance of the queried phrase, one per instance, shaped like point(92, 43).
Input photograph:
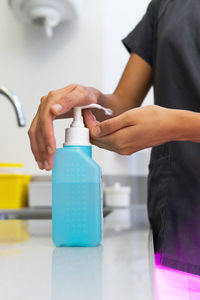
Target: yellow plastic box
point(13, 188)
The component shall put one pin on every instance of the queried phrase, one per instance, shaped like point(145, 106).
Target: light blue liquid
point(76, 194)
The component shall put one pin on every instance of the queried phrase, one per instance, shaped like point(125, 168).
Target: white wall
point(87, 51)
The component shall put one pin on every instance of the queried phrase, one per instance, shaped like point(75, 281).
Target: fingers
point(126, 141)
point(42, 150)
point(37, 133)
point(91, 122)
point(115, 141)
point(46, 130)
point(60, 102)
point(111, 125)
point(102, 145)
point(120, 141)
point(33, 140)
point(89, 119)
point(57, 104)
point(108, 142)
point(130, 132)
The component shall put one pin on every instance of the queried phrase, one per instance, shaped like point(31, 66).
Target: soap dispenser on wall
point(47, 13)
point(76, 188)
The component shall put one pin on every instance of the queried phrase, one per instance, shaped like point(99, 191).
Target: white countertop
point(120, 269)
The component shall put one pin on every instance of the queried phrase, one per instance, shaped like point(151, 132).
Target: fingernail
point(46, 165)
point(57, 107)
point(49, 150)
point(96, 131)
point(40, 165)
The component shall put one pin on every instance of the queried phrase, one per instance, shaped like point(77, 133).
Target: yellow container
point(5, 165)
point(13, 188)
point(12, 231)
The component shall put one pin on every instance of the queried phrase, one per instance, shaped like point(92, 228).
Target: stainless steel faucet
point(16, 104)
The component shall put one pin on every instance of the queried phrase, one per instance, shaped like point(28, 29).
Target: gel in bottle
point(76, 188)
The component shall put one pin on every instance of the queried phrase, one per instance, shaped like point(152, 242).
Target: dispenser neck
point(78, 118)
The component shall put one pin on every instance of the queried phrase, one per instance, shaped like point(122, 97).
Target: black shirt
point(168, 38)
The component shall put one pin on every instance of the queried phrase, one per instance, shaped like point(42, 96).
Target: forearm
point(131, 90)
point(117, 103)
point(112, 101)
point(185, 125)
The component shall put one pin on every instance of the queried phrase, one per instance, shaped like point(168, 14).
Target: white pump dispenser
point(78, 134)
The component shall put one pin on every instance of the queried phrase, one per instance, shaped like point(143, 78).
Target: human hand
point(57, 104)
point(133, 130)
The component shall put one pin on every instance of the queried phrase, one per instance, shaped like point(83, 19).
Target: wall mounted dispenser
point(46, 13)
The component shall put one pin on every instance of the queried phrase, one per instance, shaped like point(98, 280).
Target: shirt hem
point(133, 48)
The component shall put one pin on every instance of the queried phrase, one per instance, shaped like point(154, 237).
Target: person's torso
point(174, 178)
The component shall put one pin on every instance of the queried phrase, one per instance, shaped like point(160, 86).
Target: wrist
point(96, 93)
point(102, 99)
point(111, 101)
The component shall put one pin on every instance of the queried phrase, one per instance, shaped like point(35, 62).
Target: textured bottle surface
point(76, 197)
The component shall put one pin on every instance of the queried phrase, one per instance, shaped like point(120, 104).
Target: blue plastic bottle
point(76, 189)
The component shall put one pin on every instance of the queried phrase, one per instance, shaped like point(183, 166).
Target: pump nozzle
point(107, 111)
point(77, 111)
point(78, 134)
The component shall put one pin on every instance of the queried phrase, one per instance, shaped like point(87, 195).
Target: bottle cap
point(78, 134)
point(117, 195)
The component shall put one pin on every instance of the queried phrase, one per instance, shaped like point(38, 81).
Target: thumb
point(90, 120)
point(110, 126)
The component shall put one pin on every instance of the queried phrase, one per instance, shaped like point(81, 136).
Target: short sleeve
point(141, 39)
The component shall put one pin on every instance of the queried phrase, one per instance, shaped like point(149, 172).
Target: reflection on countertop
point(118, 269)
point(77, 273)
